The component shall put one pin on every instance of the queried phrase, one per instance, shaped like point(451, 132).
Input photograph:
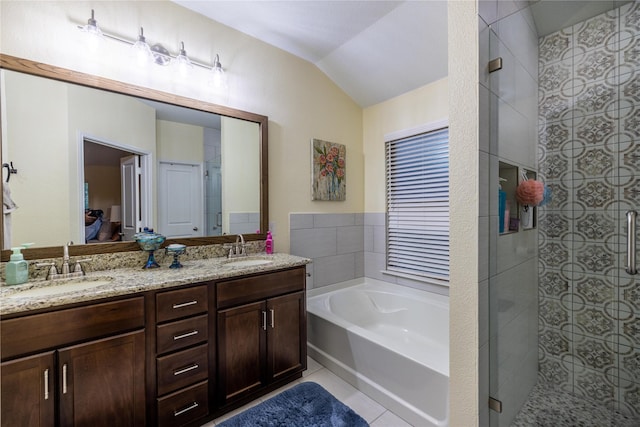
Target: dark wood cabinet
point(97, 382)
point(28, 398)
point(182, 357)
point(175, 357)
point(102, 383)
point(241, 346)
point(286, 337)
point(260, 342)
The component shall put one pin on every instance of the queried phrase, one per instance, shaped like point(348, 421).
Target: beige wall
point(300, 101)
point(34, 188)
point(179, 142)
point(464, 199)
point(102, 193)
point(427, 104)
point(240, 179)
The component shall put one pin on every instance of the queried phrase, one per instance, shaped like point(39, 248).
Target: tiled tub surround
point(589, 76)
point(128, 280)
point(345, 247)
point(335, 243)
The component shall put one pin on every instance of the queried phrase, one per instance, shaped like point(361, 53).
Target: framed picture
point(328, 170)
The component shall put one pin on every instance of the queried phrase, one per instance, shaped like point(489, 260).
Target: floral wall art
point(328, 170)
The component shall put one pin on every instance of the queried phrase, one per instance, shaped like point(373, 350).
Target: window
point(417, 177)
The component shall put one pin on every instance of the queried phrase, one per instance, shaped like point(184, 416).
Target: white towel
point(8, 206)
point(7, 203)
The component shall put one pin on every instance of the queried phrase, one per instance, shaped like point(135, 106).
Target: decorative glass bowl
point(176, 250)
point(150, 242)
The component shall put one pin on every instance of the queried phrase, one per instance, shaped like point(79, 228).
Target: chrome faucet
point(239, 248)
point(65, 258)
point(65, 271)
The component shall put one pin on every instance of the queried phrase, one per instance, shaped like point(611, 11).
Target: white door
point(130, 178)
point(180, 200)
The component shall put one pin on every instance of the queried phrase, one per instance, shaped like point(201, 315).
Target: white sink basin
point(248, 262)
point(63, 287)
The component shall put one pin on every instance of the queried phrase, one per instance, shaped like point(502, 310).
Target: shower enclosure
point(564, 322)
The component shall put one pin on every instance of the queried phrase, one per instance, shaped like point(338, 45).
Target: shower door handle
point(631, 242)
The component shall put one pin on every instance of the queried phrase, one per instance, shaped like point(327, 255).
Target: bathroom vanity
point(161, 347)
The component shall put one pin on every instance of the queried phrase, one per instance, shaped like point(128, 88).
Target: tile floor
point(546, 407)
point(375, 414)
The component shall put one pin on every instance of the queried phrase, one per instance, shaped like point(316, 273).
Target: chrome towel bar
point(631, 242)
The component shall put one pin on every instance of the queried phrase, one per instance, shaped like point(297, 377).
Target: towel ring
point(10, 170)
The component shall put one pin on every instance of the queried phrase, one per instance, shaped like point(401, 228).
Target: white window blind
point(417, 169)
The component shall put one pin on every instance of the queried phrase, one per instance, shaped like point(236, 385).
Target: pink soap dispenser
point(268, 244)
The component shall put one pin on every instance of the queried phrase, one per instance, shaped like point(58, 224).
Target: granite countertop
point(123, 281)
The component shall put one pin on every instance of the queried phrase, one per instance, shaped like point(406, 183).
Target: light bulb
point(94, 33)
point(182, 62)
point(141, 50)
point(218, 76)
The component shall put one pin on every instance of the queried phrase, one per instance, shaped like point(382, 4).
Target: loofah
point(548, 197)
point(530, 192)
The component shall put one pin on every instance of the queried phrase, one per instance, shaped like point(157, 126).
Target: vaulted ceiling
point(373, 49)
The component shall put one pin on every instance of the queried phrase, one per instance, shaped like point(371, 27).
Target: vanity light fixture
point(157, 53)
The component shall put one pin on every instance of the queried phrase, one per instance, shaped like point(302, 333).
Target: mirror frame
point(61, 74)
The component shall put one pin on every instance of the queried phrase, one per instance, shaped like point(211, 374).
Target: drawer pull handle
point(184, 304)
point(194, 405)
point(188, 334)
point(46, 384)
point(64, 379)
point(187, 369)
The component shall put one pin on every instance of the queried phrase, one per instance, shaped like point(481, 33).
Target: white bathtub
point(389, 341)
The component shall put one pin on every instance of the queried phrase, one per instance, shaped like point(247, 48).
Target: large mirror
point(98, 160)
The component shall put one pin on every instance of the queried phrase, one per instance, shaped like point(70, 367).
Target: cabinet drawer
point(185, 406)
point(182, 368)
point(250, 289)
point(182, 333)
point(37, 332)
point(181, 303)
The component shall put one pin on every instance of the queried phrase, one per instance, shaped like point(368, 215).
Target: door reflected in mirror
point(97, 166)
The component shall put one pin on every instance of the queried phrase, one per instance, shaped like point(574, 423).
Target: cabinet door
point(102, 382)
point(27, 391)
point(286, 334)
point(242, 350)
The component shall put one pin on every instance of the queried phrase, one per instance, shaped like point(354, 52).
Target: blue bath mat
point(305, 405)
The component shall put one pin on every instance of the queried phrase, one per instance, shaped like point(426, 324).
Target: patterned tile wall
point(589, 125)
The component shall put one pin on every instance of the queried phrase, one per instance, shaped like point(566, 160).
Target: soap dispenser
point(17, 269)
point(268, 244)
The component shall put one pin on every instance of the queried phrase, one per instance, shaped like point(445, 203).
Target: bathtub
point(390, 342)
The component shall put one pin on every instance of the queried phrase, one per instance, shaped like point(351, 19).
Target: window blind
point(417, 179)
